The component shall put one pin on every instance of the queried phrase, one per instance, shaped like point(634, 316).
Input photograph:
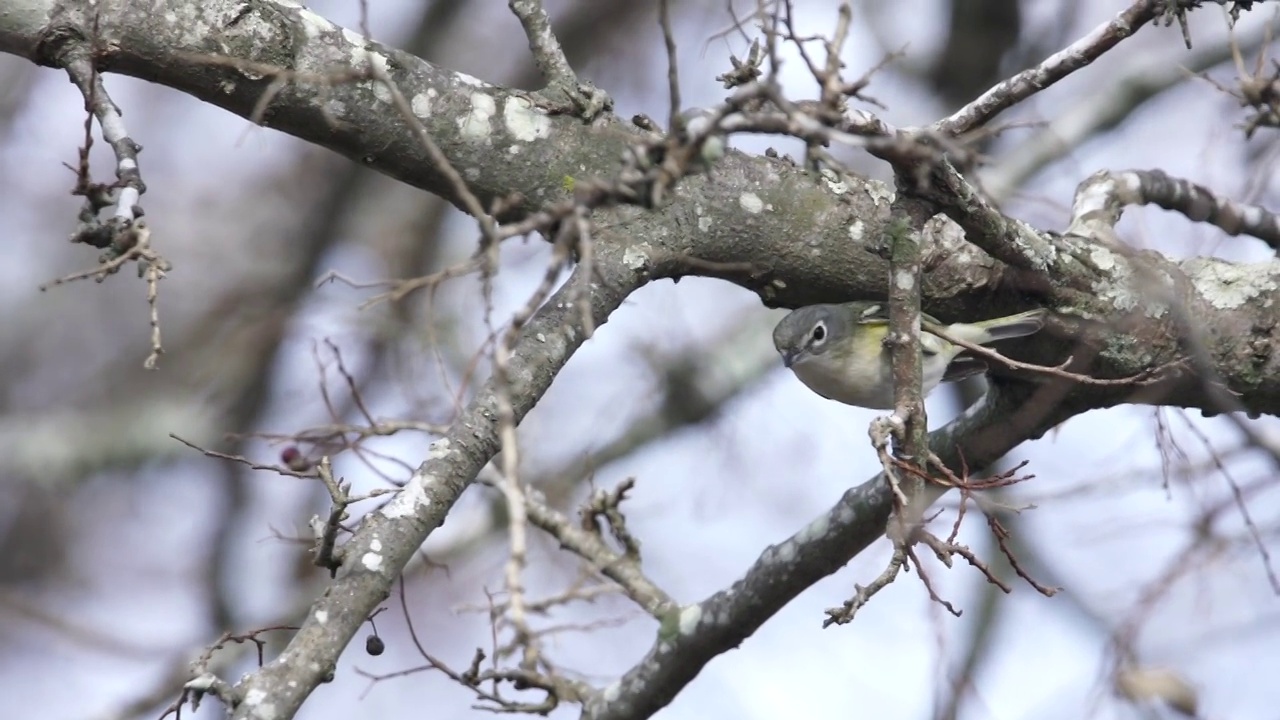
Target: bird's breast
point(851, 386)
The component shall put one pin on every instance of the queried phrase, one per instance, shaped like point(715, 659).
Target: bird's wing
point(880, 312)
point(964, 366)
point(931, 344)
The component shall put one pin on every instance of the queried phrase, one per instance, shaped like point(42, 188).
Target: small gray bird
point(839, 352)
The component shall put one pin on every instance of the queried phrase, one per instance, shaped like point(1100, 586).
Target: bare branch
point(78, 59)
point(1079, 54)
point(1105, 194)
point(619, 567)
point(547, 53)
point(699, 632)
point(673, 64)
point(1145, 80)
point(587, 100)
point(388, 538)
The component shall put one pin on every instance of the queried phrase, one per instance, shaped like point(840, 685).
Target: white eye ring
point(819, 333)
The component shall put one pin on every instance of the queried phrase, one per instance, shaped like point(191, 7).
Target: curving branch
point(752, 224)
point(1106, 193)
point(1066, 131)
point(697, 633)
point(373, 557)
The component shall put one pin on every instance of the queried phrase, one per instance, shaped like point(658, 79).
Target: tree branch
point(1079, 54)
point(752, 224)
point(697, 633)
point(388, 537)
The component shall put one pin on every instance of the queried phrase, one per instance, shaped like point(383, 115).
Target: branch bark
point(695, 634)
point(387, 538)
point(803, 238)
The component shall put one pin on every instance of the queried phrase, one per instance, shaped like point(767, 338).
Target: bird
point(838, 350)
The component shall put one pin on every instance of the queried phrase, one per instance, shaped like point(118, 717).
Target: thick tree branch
point(697, 633)
point(374, 556)
point(761, 223)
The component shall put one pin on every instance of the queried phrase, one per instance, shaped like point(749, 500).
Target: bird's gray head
point(808, 332)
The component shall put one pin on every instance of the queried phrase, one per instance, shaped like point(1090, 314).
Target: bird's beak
point(789, 357)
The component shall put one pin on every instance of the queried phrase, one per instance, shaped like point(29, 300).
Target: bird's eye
point(819, 332)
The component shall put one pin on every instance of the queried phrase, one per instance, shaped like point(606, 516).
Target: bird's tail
point(1004, 328)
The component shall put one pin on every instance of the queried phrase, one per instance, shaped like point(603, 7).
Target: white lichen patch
point(904, 280)
point(335, 108)
point(378, 62)
point(1154, 306)
point(194, 23)
point(834, 182)
point(466, 79)
point(1155, 310)
point(636, 257)
point(786, 552)
point(420, 104)
point(857, 231)
point(1227, 286)
point(371, 561)
point(524, 121)
point(704, 223)
point(203, 683)
point(362, 57)
point(376, 545)
point(1034, 247)
point(1102, 258)
point(1118, 288)
point(353, 37)
point(1118, 295)
point(689, 618)
point(256, 697)
point(612, 693)
point(475, 125)
point(322, 616)
point(751, 202)
point(879, 192)
point(411, 498)
point(439, 449)
point(312, 24)
point(814, 530)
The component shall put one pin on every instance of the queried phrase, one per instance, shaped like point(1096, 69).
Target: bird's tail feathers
point(1003, 328)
